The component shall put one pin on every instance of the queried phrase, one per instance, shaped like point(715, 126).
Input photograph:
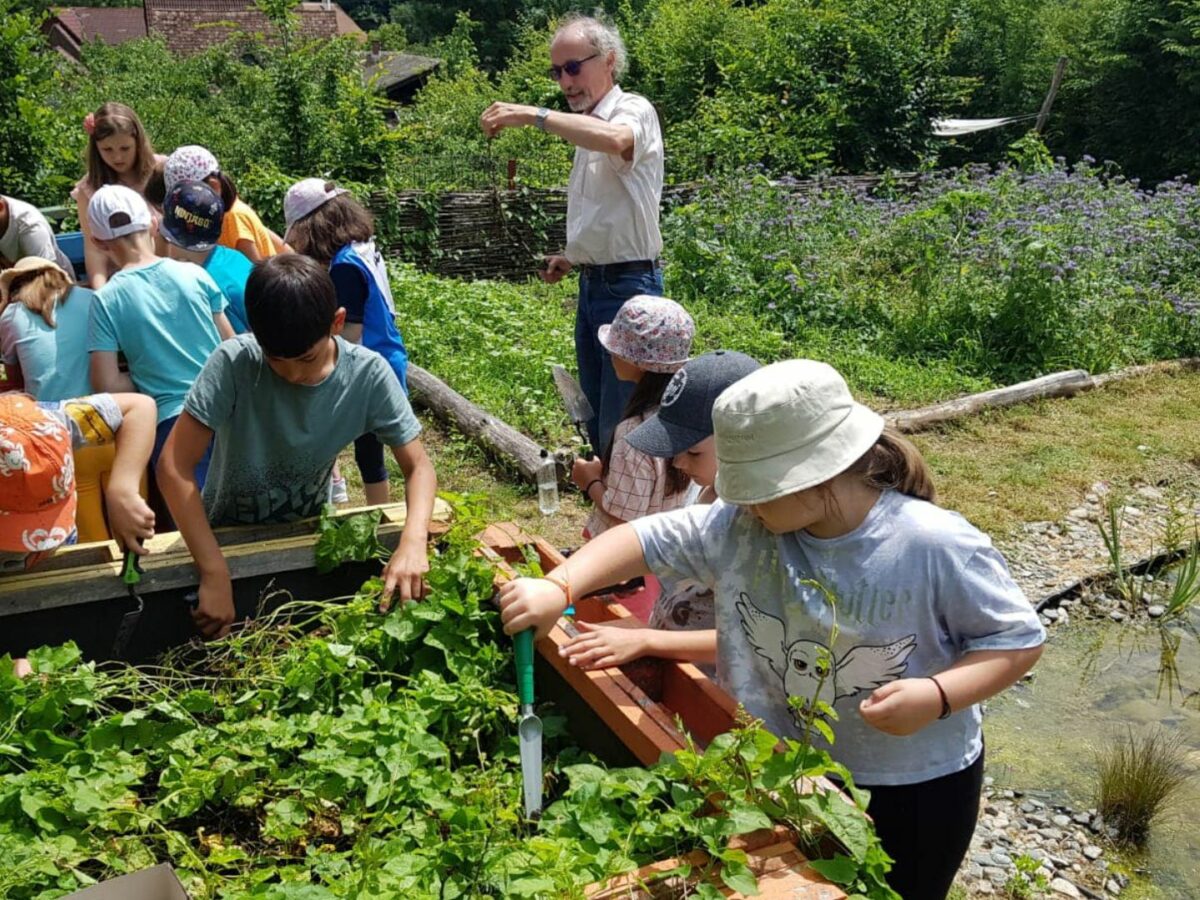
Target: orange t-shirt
point(241, 223)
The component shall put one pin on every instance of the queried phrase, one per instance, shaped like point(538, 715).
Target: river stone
point(1001, 859)
point(1081, 818)
point(984, 888)
point(1050, 834)
point(1112, 886)
point(1051, 613)
point(1064, 887)
point(1156, 611)
point(1062, 821)
point(1117, 616)
point(1091, 851)
point(1001, 821)
point(1037, 821)
point(982, 859)
point(994, 875)
point(1063, 617)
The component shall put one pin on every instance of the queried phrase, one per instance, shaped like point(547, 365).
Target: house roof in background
point(111, 25)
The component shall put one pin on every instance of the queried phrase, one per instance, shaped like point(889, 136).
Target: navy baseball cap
point(192, 216)
point(684, 416)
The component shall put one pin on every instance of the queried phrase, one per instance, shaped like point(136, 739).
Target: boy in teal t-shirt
point(165, 316)
point(191, 226)
point(282, 403)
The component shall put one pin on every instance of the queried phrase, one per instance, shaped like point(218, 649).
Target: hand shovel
point(529, 729)
point(576, 402)
point(131, 574)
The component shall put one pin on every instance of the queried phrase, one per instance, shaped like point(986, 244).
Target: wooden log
point(1060, 384)
point(1190, 364)
point(494, 435)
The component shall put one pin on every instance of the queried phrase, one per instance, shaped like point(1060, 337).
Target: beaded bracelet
point(563, 585)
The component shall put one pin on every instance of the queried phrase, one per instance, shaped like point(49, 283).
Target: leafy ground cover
point(336, 753)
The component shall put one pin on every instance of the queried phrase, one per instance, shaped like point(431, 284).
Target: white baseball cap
point(787, 427)
point(306, 197)
point(115, 211)
point(190, 162)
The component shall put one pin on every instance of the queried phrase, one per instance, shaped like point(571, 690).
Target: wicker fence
point(505, 233)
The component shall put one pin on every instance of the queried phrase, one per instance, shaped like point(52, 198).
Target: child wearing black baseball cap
point(681, 624)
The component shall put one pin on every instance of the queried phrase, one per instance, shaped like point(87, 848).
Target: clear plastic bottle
point(547, 482)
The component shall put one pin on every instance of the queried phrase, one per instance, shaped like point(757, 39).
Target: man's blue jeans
point(601, 294)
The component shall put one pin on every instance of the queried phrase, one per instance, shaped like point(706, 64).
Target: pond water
point(1096, 680)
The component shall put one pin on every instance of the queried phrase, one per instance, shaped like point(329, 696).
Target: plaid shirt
point(635, 484)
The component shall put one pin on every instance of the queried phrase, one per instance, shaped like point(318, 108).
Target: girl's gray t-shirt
point(917, 586)
point(276, 441)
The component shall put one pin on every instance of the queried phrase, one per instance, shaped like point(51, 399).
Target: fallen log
point(1060, 384)
point(494, 435)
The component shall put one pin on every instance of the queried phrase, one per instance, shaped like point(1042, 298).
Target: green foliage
point(346, 539)
point(1137, 777)
point(328, 751)
point(1028, 881)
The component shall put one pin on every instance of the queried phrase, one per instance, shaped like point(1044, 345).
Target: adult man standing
point(612, 198)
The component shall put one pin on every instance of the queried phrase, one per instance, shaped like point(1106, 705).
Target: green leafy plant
point(1028, 881)
point(327, 751)
point(1137, 777)
point(347, 538)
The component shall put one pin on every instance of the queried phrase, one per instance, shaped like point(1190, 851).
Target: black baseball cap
point(684, 416)
point(192, 216)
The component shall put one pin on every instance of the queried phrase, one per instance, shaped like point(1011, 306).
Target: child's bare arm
point(131, 519)
point(106, 375)
point(908, 705)
point(601, 646)
point(610, 558)
point(404, 573)
point(95, 259)
point(177, 480)
point(224, 329)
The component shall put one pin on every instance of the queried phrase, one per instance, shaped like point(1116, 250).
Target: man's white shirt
point(613, 203)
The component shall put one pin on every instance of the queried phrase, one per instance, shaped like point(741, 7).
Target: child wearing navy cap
point(681, 622)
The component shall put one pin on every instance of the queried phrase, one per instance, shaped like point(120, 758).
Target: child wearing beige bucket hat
point(825, 527)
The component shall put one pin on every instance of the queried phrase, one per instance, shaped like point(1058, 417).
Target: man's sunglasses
point(571, 67)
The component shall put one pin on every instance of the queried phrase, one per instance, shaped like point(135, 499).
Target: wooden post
point(1049, 101)
point(512, 174)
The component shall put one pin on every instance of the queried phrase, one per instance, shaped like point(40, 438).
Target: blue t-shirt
point(161, 317)
point(360, 277)
point(230, 269)
point(53, 361)
point(276, 442)
point(917, 587)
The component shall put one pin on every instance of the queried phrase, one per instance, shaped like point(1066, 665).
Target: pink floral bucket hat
point(653, 333)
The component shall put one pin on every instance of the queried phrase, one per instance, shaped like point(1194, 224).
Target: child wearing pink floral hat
point(649, 340)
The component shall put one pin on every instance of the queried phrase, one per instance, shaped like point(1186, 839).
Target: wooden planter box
point(625, 716)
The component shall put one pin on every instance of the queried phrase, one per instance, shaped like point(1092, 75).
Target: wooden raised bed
point(624, 717)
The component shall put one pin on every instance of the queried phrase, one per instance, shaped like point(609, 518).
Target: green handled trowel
point(529, 729)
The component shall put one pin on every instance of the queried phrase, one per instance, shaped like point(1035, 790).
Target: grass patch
point(1138, 776)
point(1036, 462)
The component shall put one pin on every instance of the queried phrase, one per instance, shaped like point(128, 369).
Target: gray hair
point(602, 34)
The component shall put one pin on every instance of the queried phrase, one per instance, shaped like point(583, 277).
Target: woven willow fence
point(505, 234)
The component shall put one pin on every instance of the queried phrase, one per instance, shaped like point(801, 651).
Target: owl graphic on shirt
point(809, 669)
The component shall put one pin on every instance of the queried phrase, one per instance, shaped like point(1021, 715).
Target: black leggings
point(368, 454)
point(926, 828)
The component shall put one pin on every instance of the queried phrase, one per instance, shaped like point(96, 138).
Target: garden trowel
point(131, 575)
point(576, 402)
point(529, 729)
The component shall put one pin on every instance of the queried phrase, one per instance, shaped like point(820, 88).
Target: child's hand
point(404, 574)
point(602, 646)
point(214, 613)
point(585, 471)
point(531, 603)
point(21, 667)
point(902, 707)
point(131, 520)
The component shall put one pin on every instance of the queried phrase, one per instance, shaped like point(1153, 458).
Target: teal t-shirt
point(276, 442)
point(161, 317)
point(230, 269)
point(53, 361)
